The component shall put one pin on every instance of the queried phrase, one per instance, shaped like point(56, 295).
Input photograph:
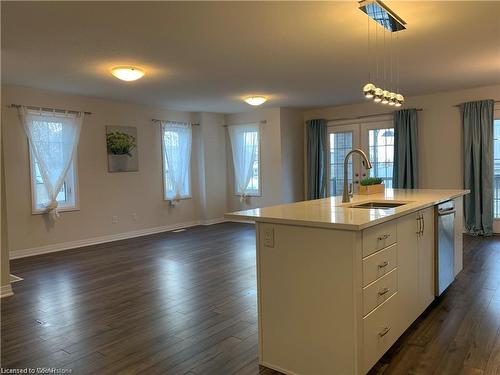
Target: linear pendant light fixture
point(389, 22)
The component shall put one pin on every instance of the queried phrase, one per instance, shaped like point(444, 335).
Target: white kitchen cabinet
point(416, 259)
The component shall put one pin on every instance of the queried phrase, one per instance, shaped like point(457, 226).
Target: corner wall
point(281, 157)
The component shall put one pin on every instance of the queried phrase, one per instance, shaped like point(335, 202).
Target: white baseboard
point(6, 291)
point(217, 220)
point(22, 253)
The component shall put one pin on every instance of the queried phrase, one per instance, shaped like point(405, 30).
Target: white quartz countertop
point(332, 213)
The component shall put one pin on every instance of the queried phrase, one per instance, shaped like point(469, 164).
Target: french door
point(342, 139)
point(377, 141)
point(376, 138)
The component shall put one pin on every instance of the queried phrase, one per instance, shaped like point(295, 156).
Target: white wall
point(104, 194)
point(440, 131)
point(213, 185)
point(292, 154)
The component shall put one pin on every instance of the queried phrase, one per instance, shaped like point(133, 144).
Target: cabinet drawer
point(380, 331)
point(379, 291)
point(378, 264)
point(378, 237)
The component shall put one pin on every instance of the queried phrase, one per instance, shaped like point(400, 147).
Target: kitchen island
point(338, 283)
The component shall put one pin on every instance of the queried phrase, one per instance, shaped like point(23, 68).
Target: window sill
point(181, 198)
point(249, 195)
point(61, 209)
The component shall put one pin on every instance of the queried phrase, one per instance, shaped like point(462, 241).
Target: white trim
point(217, 220)
point(277, 368)
point(6, 291)
point(22, 253)
point(15, 279)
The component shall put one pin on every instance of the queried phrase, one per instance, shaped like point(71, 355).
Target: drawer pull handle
point(383, 291)
point(384, 332)
point(384, 237)
point(383, 264)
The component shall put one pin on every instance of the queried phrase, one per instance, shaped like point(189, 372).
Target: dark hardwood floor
point(185, 303)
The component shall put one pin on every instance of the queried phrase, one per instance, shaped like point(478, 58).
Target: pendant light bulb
point(369, 90)
point(378, 95)
point(385, 97)
point(392, 98)
point(399, 100)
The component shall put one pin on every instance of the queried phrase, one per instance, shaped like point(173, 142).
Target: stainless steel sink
point(379, 205)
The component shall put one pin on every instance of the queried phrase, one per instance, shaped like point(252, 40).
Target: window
point(245, 144)
point(66, 198)
point(381, 154)
point(496, 169)
point(53, 136)
point(176, 144)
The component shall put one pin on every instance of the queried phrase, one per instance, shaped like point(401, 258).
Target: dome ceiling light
point(385, 64)
point(255, 100)
point(127, 73)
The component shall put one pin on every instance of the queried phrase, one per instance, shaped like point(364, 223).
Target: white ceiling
point(204, 56)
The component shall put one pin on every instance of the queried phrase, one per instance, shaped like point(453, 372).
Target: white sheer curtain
point(244, 145)
point(53, 138)
point(177, 140)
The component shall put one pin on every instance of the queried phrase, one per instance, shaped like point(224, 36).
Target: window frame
point(62, 207)
point(164, 168)
point(251, 193)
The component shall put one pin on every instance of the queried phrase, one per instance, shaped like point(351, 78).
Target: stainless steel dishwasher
point(445, 246)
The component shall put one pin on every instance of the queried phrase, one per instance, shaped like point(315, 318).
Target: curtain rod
point(192, 123)
point(47, 109)
point(458, 105)
point(366, 116)
point(245, 123)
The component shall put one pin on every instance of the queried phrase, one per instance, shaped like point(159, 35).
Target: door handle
point(383, 291)
point(446, 212)
point(419, 225)
point(384, 332)
point(383, 264)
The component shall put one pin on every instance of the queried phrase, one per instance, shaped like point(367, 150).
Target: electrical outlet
point(134, 217)
point(269, 236)
point(115, 219)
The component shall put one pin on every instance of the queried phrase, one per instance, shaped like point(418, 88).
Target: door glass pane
point(496, 169)
point(381, 149)
point(340, 145)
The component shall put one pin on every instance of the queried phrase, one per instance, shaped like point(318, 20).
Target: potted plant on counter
point(371, 185)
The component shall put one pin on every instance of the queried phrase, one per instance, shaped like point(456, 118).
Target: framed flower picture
point(121, 142)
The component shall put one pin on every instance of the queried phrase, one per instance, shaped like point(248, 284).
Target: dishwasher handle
point(446, 212)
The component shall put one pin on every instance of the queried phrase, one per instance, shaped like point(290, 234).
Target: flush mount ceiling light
point(127, 73)
point(385, 62)
point(255, 100)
